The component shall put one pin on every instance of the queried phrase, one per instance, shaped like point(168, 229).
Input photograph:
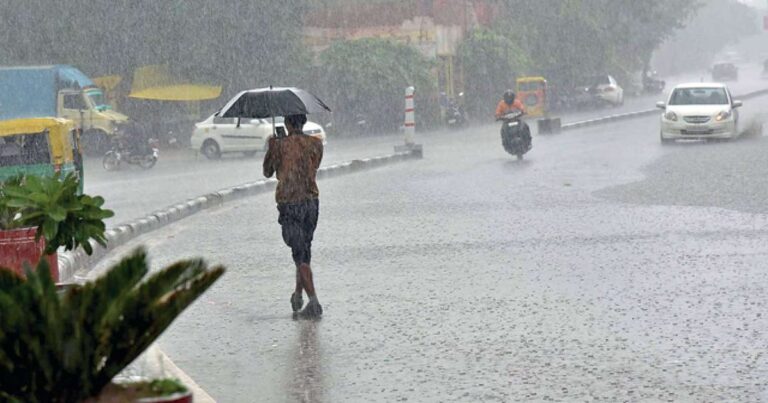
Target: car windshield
point(699, 96)
point(98, 100)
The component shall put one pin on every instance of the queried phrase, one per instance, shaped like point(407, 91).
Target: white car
point(215, 136)
point(699, 111)
point(606, 88)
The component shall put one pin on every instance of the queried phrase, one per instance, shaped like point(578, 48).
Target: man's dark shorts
point(299, 221)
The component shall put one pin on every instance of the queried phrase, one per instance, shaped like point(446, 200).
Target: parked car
point(605, 88)
point(725, 72)
point(215, 136)
point(699, 111)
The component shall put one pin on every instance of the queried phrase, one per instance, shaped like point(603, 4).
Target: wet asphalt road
point(180, 174)
point(604, 267)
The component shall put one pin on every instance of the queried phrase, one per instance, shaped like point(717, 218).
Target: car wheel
point(665, 141)
point(211, 150)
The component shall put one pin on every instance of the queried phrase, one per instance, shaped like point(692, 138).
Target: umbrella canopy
point(179, 92)
point(270, 102)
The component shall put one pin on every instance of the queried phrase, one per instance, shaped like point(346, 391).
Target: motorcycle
point(454, 113)
point(146, 158)
point(454, 116)
point(515, 134)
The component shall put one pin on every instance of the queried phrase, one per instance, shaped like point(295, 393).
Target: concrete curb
point(607, 119)
point(633, 115)
point(75, 265)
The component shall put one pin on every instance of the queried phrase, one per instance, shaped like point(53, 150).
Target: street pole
point(410, 125)
point(410, 116)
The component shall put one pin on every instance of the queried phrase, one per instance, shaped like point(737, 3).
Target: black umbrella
point(269, 102)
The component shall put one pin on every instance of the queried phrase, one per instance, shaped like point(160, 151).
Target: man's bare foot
point(313, 310)
point(296, 302)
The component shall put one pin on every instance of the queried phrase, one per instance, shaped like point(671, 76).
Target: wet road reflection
point(306, 379)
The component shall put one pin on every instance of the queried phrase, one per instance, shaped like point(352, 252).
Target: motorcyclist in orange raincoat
point(508, 104)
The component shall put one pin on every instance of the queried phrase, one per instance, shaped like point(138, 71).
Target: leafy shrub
point(52, 204)
point(68, 347)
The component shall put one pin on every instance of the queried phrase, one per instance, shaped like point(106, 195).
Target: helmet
point(509, 96)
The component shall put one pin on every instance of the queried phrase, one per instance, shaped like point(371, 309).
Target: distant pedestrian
point(296, 158)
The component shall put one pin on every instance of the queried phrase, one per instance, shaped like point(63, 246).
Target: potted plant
point(68, 346)
point(38, 215)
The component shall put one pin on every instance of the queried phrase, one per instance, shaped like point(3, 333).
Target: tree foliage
point(570, 40)
point(718, 23)
point(490, 63)
point(230, 42)
point(368, 78)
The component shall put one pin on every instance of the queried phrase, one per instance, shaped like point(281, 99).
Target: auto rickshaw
point(532, 92)
point(39, 146)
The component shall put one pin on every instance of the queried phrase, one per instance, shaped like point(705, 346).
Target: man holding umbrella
point(296, 159)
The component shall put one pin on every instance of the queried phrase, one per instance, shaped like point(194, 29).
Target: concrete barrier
point(74, 265)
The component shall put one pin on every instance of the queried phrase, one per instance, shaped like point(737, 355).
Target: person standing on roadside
point(295, 158)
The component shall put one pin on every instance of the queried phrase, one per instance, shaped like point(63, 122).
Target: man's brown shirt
point(296, 159)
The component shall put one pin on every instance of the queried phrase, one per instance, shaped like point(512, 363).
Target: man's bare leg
point(313, 308)
point(296, 300)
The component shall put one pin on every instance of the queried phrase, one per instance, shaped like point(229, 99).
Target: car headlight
point(671, 116)
point(723, 116)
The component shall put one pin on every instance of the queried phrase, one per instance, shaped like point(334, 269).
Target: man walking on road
point(296, 158)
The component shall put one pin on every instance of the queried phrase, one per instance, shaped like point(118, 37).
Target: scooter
point(120, 153)
point(454, 116)
point(515, 134)
point(454, 113)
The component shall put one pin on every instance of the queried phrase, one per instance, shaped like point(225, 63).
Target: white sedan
point(215, 136)
point(606, 88)
point(699, 111)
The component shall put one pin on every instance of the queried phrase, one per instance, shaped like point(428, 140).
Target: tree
point(368, 77)
point(718, 23)
point(570, 40)
point(491, 64)
point(230, 42)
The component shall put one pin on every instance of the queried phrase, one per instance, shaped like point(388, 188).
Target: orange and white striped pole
point(410, 116)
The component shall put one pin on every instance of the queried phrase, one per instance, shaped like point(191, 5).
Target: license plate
point(513, 124)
